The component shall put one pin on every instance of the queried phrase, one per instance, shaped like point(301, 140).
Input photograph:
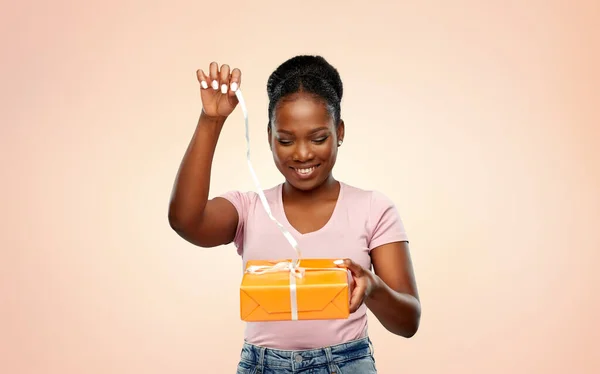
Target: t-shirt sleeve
point(385, 224)
point(241, 202)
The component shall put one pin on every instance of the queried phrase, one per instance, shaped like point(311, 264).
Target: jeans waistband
point(296, 360)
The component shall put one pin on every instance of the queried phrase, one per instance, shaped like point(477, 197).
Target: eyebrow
point(312, 132)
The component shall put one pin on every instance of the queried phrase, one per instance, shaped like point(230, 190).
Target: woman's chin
point(307, 184)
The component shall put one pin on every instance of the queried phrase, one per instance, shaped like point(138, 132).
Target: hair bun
point(311, 75)
point(305, 66)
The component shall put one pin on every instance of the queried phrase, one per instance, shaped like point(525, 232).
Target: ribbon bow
point(297, 271)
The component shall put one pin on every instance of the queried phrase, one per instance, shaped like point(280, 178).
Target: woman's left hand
point(365, 282)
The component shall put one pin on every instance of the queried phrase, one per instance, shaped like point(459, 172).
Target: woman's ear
point(341, 130)
point(269, 135)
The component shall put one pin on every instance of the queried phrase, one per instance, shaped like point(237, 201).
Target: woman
point(328, 218)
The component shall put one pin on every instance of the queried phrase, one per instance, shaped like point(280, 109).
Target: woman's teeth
point(305, 171)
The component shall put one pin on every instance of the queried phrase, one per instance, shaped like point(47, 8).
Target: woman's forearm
point(191, 188)
point(399, 313)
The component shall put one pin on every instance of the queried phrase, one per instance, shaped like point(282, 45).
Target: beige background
point(479, 119)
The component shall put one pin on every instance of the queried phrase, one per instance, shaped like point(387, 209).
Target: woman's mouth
point(305, 173)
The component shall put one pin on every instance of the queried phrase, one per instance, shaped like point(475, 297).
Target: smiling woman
point(329, 219)
point(303, 141)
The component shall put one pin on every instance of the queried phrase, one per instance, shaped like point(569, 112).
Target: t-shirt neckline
point(327, 224)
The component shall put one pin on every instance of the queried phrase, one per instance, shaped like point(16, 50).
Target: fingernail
point(338, 262)
point(215, 85)
point(224, 88)
point(204, 84)
point(234, 86)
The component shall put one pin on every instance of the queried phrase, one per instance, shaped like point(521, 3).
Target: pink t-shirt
point(361, 221)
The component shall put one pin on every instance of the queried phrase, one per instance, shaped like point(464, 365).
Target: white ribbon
point(294, 266)
point(259, 190)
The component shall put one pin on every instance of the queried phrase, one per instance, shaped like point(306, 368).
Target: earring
point(339, 143)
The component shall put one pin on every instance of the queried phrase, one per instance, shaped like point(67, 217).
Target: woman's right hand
point(217, 90)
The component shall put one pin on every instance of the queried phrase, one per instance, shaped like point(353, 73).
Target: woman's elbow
point(412, 324)
point(411, 330)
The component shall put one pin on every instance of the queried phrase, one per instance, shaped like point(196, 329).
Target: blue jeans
point(347, 358)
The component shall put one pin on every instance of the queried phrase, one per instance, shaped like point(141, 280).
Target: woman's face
point(303, 140)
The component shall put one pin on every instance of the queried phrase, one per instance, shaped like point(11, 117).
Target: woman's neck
point(325, 191)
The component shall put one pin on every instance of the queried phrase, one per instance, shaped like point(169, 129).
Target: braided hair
point(306, 74)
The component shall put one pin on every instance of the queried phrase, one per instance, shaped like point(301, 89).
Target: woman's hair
point(307, 74)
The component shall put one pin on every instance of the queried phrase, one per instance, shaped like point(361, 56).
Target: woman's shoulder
point(247, 198)
point(383, 221)
point(371, 197)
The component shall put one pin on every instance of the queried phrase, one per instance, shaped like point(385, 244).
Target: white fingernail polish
point(338, 262)
point(234, 87)
point(215, 85)
point(224, 88)
point(204, 84)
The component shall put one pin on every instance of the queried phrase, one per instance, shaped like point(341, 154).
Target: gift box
point(274, 291)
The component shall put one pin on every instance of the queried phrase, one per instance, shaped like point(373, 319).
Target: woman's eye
point(284, 142)
point(320, 140)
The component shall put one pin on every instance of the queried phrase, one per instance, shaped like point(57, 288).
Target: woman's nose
point(303, 152)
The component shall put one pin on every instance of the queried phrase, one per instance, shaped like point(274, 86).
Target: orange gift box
point(321, 292)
